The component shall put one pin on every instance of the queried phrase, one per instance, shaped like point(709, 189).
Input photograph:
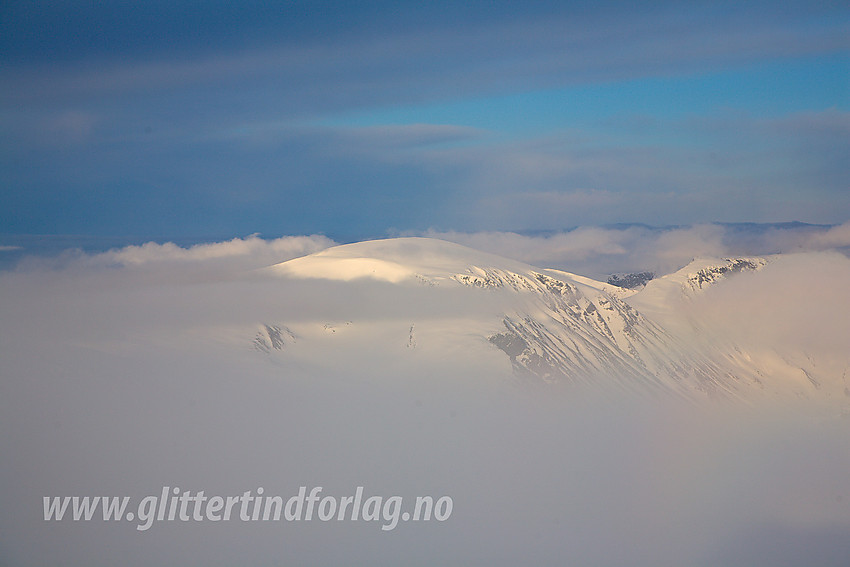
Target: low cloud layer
point(237, 253)
point(598, 252)
point(231, 256)
point(591, 251)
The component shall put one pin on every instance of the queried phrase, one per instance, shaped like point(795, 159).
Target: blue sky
point(362, 119)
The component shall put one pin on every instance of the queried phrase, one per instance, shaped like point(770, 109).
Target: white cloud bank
point(598, 252)
point(257, 249)
point(229, 256)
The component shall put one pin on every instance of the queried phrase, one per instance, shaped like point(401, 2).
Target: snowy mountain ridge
point(550, 326)
point(704, 273)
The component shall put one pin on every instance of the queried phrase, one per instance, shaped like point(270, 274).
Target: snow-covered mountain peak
point(702, 273)
point(661, 295)
point(395, 260)
point(553, 326)
point(546, 325)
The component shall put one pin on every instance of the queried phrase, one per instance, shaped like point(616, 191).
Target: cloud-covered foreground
point(121, 375)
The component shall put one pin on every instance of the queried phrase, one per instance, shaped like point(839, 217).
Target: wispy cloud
point(545, 46)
